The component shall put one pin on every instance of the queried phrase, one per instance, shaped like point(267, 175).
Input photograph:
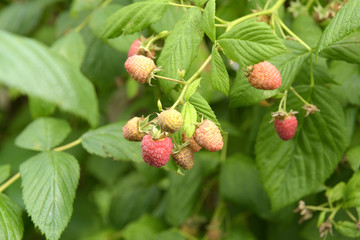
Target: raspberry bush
point(180, 119)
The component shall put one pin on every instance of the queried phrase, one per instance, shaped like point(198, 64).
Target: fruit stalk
point(193, 77)
point(170, 79)
point(69, 145)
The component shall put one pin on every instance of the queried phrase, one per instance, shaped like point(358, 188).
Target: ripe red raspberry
point(135, 46)
point(170, 120)
point(193, 145)
point(286, 128)
point(131, 130)
point(208, 136)
point(184, 158)
point(156, 153)
point(140, 68)
point(264, 76)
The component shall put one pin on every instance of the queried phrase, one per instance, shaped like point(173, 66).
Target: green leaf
point(353, 157)
point(189, 115)
point(40, 108)
point(200, 2)
point(134, 197)
point(289, 64)
point(250, 42)
point(184, 191)
point(192, 89)
point(42, 72)
point(99, 16)
point(352, 192)
point(309, 34)
point(109, 142)
point(240, 183)
point(168, 20)
point(72, 47)
point(4, 172)
point(11, 223)
point(181, 47)
point(347, 228)
point(345, 23)
point(134, 18)
point(348, 78)
point(145, 228)
point(82, 5)
point(43, 134)
point(23, 17)
point(209, 20)
point(320, 72)
point(346, 49)
point(336, 193)
point(49, 181)
point(170, 234)
point(219, 74)
point(292, 169)
point(203, 108)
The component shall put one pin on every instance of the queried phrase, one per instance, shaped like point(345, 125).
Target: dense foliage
point(67, 172)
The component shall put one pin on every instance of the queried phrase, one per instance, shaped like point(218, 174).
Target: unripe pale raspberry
point(131, 130)
point(208, 136)
point(156, 153)
point(184, 158)
point(264, 76)
point(193, 145)
point(140, 67)
point(170, 120)
point(286, 128)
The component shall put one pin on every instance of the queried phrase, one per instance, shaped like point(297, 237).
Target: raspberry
point(184, 158)
point(140, 68)
point(208, 136)
point(156, 153)
point(193, 145)
point(286, 128)
point(264, 76)
point(170, 120)
point(131, 130)
point(135, 46)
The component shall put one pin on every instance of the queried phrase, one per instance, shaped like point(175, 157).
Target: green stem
point(312, 82)
point(282, 24)
point(332, 215)
point(174, 142)
point(309, 4)
point(274, 8)
point(221, 25)
point(351, 216)
point(88, 18)
point(318, 208)
point(201, 9)
point(9, 182)
point(159, 36)
point(282, 102)
point(69, 145)
point(285, 99)
point(170, 79)
point(298, 95)
point(193, 77)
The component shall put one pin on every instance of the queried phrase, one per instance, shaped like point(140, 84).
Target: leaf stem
point(282, 24)
point(318, 208)
point(160, 35)
point(69, 145)
point(170, 79)
point(312, 82)
point(201, 9)
point(351, 216)
point(274, 8)
point(9, 182)
point(193, 77)
point(299, 96)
